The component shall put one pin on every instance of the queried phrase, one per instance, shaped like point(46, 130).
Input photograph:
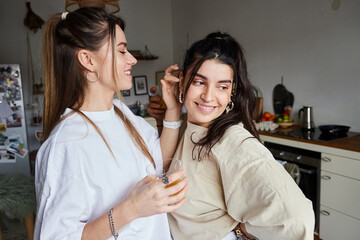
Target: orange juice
point(172, 184)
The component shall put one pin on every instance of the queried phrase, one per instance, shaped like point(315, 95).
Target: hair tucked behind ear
point(65, 81)
point(225, 49)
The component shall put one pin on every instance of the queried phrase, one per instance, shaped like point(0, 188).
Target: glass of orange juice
point(176, 164)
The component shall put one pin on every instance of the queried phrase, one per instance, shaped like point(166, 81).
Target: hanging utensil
point(290, 99)
point(280, 95)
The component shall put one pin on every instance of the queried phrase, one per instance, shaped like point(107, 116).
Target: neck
point(97, 100)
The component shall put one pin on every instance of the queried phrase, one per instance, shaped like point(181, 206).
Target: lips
point(204, 108)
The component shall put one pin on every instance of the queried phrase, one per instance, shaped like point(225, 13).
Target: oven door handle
point(310, 172)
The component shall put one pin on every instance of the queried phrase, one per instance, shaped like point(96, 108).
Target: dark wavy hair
point(225, 49)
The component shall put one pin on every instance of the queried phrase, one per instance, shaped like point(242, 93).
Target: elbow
point(304, 224)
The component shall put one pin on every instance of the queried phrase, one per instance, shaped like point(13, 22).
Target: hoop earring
point(98, 77)
point(180, 97)
point(229, 107)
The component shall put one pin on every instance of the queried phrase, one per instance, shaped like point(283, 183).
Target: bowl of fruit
point(266, 122)
point(284, 119)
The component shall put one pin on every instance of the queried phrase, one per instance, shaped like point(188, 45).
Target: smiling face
point(209, 93)
point(124, 62)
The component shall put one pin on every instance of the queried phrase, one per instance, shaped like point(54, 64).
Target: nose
point(208, 94)
point(131, 59)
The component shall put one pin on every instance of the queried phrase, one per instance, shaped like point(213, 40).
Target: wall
point(147, 23)
point(315, 48)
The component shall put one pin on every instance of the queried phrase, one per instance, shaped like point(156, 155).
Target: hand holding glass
point(175, 166)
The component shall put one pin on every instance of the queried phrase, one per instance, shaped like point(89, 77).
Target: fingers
point(179, 196)
point(154, 99)
point(174, 207)
point(156, 111)
point(179, 174)
point(150, 179)
point(170, 69)
point(177, 189)
point(145, 180)
point(171, 78)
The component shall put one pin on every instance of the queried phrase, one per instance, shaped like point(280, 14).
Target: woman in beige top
point(237, 189)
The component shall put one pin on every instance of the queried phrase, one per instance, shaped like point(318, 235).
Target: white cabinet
point(339, 188)
point(336, 225)
point(339, 197)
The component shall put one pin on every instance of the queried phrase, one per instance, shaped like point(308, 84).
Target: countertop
point(351, 143)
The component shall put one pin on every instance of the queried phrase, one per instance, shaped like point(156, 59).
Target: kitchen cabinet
point(343, 227)
point(340, 197)
point(339, 216)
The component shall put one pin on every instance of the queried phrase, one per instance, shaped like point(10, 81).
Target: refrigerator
point(14, 157)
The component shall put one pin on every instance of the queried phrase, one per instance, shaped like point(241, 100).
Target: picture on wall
point(158, 76)
point(125, 93)
point(140, 85)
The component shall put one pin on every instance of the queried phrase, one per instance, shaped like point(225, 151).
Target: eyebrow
point(122, 43)
point(221, 81)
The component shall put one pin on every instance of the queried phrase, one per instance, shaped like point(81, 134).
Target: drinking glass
point(176, 165)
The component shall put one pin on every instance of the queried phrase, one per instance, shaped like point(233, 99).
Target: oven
point(309, 166)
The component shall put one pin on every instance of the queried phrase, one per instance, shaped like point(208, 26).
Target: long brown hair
point(225, 49)
point(85, 28)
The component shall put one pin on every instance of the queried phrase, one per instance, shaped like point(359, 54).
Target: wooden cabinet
point(340, 197)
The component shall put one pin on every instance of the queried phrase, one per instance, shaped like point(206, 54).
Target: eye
point(223, 87)
point(123, 52)
point(198, 82)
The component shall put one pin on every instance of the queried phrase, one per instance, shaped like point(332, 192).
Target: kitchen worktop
point(351, 142)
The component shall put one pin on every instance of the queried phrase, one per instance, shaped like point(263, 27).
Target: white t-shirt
point(78, 180)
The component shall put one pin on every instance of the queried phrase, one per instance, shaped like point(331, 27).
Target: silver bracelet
point(111, 220)
point(172, 125)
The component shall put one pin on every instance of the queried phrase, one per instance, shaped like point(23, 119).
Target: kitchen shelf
point(146, 58)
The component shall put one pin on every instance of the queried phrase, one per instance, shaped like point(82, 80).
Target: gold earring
point(229, 107)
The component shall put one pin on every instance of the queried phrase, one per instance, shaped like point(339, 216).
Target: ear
point(85, 59)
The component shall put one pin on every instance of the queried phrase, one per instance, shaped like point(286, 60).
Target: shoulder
point(140, 123)
point(72, 127)
point(142, 126)
point(64, 142)
point(237, 141)
point(125, 109)
point(239, 153)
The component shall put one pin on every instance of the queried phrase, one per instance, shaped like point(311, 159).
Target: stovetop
point(314, 135)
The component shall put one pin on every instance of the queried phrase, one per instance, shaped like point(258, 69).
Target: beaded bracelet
point(111, 220)
point(172, 125)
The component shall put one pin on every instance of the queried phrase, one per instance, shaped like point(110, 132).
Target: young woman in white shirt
point(91, 179)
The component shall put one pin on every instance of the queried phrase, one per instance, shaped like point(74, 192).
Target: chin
point(125, 86)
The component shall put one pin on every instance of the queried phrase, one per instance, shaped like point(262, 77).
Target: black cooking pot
point(334, 129)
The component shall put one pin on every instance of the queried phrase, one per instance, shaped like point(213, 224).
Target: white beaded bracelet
point(172, 125)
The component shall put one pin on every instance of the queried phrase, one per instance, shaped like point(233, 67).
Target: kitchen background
point(315, 45)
